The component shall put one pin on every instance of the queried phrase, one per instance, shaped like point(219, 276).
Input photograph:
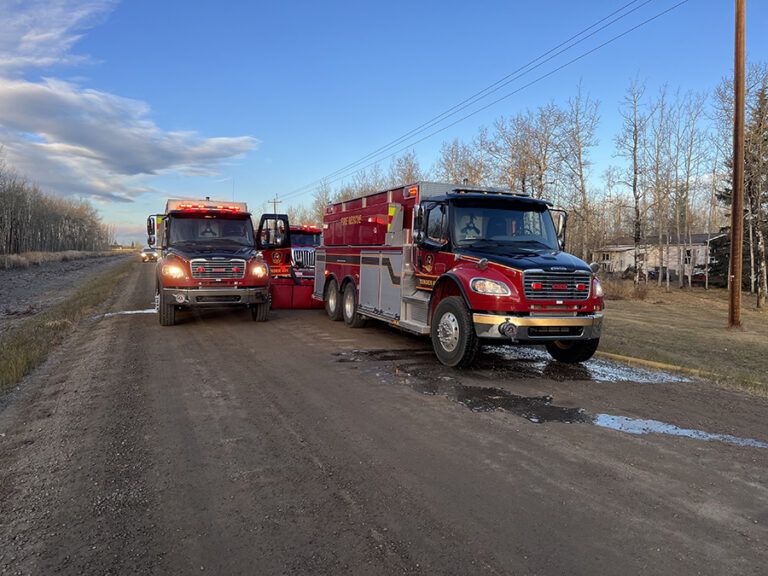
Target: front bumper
point(234, 296)
point(537, 328)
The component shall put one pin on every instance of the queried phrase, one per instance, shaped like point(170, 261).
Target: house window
point(688, 256)
point(606, 256)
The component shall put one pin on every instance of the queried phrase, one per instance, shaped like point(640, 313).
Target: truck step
point(415, 327)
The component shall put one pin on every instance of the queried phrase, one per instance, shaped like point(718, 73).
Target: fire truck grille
point(203, 269)
point(304, 255)
point(556, 285)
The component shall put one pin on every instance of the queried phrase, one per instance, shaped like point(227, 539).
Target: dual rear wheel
point(343, 305)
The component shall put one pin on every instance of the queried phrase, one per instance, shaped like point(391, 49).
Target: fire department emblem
point(429, 261)
point(276, 257)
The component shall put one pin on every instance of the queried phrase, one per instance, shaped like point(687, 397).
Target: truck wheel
point(453, 333)
point(572, 351)
point(260, 312)
point(332, 300)
point(349, 307)
point(166, 310)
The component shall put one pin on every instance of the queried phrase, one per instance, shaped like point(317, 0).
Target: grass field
point(688, 328)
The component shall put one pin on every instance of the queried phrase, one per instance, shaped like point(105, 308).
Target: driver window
point(437, 230)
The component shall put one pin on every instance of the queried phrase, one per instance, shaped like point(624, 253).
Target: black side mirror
point(273, 232)
point(151, 240)
point(418, 223)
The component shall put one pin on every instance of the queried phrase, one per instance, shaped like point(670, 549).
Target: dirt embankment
point(26, 292)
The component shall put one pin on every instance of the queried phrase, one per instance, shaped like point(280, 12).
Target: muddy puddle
point(419, 370)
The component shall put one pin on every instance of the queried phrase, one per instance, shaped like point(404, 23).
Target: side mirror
point(418, 222)
point(560, 219)
point(274, 232)
point(151, 240)
point(151, 226)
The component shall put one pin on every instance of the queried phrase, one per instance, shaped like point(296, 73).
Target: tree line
point(32, 221)
point(669, 178)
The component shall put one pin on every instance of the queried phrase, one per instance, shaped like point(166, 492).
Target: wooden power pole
point(737, 204)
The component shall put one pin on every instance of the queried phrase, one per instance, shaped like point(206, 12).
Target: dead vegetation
point(27, 259)
point(687, 328)
point(27, 345)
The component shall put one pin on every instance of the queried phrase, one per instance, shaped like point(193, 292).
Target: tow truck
point(463, 265)
point(290, 251)
point(207, 258)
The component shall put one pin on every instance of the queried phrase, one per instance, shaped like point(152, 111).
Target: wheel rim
point(349, 304)
point(332, 298)
point(448, 332)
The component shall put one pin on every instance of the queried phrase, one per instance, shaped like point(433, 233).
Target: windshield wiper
point(532, 242)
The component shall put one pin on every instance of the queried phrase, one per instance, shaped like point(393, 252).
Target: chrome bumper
point(217, 296)
point(538, 328)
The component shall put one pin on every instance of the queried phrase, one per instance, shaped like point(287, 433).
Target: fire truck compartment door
point(380, 273)
point(319, 274)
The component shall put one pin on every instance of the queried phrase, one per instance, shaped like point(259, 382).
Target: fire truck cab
point(463, 265)
point(207, 258)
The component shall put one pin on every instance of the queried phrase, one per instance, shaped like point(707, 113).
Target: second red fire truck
point(463, 265)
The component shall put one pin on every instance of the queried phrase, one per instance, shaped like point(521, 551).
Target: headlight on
point(490, 287)
point(598, 288)
point(259, 270)
point(173, 271)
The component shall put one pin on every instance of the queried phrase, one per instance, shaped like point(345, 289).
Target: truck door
point(273, 238)
point(430, 260)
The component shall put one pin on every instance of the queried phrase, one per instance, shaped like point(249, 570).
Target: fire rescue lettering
point(355, 219)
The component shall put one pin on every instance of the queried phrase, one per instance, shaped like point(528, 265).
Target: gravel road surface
point(300, 446)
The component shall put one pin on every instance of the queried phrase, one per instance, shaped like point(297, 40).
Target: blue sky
point(128, 103)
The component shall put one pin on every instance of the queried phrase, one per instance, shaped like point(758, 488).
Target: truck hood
point(556, 261)
point(207, 251)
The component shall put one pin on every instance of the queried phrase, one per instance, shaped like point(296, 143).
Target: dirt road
point(300, 446)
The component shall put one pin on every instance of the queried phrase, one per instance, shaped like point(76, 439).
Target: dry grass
point(688, 328)
point(27, 259)
point(624, 290)
point(27, 345)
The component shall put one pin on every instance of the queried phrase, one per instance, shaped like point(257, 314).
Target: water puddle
point(126, 312)
point(431, 378)
point(639, 426)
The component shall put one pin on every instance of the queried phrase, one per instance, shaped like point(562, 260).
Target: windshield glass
point(304, 239)
point(519, 226)
point(210, 230)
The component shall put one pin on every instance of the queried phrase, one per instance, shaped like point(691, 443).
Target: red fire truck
point(207, 257)
point(290, 252)
point(464, 265)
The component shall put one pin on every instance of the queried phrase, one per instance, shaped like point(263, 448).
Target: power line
point(494, 102)
point(509, 78)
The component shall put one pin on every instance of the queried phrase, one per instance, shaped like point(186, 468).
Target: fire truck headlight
point(259, 270)
point(599, 292)
point(489, 287)
point(173, 271)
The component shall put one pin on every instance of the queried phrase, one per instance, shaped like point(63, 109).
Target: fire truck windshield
point(187, 229)
point(487, 225)
point(305, 239)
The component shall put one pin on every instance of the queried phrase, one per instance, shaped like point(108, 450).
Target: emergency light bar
point(205, 206)
point(490, 191)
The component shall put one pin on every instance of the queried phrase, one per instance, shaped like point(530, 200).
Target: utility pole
point(737, 204)
point(274, 203)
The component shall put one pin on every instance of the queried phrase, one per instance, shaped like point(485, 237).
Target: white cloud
point(80, 141)
point(85, 142)
point(40, 33)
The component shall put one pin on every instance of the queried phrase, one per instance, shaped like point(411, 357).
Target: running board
point(415, 327)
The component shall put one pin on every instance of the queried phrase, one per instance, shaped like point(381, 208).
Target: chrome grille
point(304, 255)
point(205, 269)
point(540, 285)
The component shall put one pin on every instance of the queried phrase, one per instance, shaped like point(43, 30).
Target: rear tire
point(572, 351)
point(349, 307)
point(260, 312)
point(453, 333)
point(166, 310)
point(332, 300)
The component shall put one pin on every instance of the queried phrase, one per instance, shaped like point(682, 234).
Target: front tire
point(260, 312)
point(166, 309)
point(572, 351)
point(453, 333)
point(332, 300)
point(349, 307)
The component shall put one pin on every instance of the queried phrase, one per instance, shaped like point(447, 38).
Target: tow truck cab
point(207, 258)
point(462, 265)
